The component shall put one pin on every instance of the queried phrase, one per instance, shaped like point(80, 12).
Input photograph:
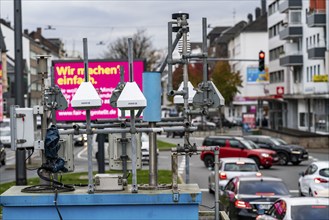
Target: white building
point(243, 46)
point(299, 87)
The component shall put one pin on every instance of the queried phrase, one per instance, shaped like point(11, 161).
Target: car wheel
point(256, 160)
point(267, 166)
point(208, 161)
point(300, 190)
point(296, 162)
point(209, 187)
point(283, 158)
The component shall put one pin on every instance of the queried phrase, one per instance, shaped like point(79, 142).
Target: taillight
point(320, 180)
point(258, 174)
point(242, 204)
point(222, 176)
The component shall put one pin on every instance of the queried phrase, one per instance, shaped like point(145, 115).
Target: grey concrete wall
point(309, 142)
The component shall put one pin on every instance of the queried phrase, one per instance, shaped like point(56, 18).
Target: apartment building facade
point(299, 87)
point(33, 44)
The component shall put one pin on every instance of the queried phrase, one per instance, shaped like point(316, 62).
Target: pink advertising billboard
point(1, 99)
point(105, 76)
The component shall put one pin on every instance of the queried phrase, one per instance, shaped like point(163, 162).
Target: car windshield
point(253, 144)
point(263, 187)
point(5, 133)
point(245, 167)
point(249, 144)
point(279, 141)
point(306, 212)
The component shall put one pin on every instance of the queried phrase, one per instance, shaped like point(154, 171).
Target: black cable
point(29, 157)
point(55, 186)
point(55, 202)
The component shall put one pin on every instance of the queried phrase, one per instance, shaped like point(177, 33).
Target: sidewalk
point(235, 131)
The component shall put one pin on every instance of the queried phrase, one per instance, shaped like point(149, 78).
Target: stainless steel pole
point(133, 126)
point(169, 58)
point(185, 96)
point(216, 184)
point(88, 127)
point(153, 159)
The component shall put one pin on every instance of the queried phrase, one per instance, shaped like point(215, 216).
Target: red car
point(237, 147)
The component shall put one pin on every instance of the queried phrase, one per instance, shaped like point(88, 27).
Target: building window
point(295, 17)
point(319, 70)
point(302, 119)
point(307, 74)
point(277, 76)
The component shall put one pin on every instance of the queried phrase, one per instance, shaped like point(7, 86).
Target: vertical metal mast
point(132, 118)
point(20, 153)
point(88, 126)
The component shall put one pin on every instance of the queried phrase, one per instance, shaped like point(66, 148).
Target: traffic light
point(261, 60)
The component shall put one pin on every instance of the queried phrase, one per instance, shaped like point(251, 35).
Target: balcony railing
point(290, 4)
point(293, 59)
point(316, 18)
point(316, 51)
point(291, 32)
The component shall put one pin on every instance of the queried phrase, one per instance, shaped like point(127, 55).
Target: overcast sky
point(106, 20)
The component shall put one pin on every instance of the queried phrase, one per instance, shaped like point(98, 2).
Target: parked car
point(286, 152)
point(203, 124)
point(244, 197)
point(230, 167)
point(299, 208)
point(223, 122)
point(314, 179)
point(230, 146)
point(5, 137)
point(5, 124)
point(237, 121)
point(80, 140)
point(2, 154)
point(173, 134)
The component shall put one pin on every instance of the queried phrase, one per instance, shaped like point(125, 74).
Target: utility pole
point(327, 29)
point(19, 99)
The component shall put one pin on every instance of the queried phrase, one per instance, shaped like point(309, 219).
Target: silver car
point(314, 179)
point(299, 208)
point(230, 167)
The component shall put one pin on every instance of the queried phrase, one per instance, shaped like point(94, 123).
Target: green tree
point(227, 82)
point(142, 49)
point(194, 74)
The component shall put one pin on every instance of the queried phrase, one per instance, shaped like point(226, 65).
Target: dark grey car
point(2, 154)
point(286, 152)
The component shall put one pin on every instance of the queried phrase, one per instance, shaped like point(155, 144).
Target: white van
point(5, 124)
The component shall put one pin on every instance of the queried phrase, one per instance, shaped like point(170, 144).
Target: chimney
point(39, 31)
point(257, 12)
point(26, 31)
point(263, 4)
point(249, 18)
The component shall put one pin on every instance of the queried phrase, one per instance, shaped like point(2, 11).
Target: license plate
point(264, 206)
point(305, 156)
